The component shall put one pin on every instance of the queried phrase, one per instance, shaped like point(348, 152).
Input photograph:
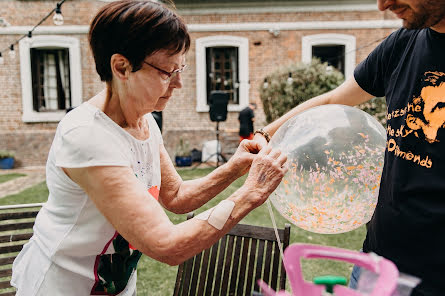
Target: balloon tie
point(272, 217)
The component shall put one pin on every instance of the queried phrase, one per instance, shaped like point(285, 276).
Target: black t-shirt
point(245, 122)
point(408, 226)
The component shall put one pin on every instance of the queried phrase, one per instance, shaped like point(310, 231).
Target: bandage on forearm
point(218, 216)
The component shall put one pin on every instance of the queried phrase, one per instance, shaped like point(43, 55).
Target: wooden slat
point(5, 272)
point(18, 215)
point(275, 267)
point(15, 237)
point(187, 276)
point(10, 249)
point(5, 284)
point(16, 226)
point(235, 265)
point(243, 269)
point(203, 275)
point(286, 241)
point(6, 260)
point(251, 269)
point(259, 232)
point(220, 265)
point(195, 274)
point(227, 265)
point(267, 262)
point(259, 265)
point(7, 294)
point(212, 267)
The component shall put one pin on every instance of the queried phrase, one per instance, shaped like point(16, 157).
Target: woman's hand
point(266, 173)
point(242, 159)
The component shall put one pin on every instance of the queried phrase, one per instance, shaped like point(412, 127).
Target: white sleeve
point(86, 146)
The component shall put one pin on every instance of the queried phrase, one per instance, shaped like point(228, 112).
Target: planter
point(7, 163)
point(182, 161)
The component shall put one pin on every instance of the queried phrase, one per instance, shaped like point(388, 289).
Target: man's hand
point(260, 140)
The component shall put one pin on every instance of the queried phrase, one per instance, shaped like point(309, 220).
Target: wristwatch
point(264, 133)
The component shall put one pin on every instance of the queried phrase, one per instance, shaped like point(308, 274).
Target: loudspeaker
point(218, 105)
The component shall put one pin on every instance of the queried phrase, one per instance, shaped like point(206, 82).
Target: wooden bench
point(16, 223)
point(234, 263)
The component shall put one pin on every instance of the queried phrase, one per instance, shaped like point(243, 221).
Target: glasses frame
point(170, 75)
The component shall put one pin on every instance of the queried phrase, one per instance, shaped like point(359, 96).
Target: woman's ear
point(120, 66)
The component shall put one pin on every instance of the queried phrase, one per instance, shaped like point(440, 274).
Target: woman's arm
point(140, 219)
point(180, 196)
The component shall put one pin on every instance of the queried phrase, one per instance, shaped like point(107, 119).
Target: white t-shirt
point(75, 250)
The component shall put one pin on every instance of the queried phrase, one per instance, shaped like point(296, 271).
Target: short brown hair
point(135, 29)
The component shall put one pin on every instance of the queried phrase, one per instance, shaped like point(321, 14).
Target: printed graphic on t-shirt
point(425, 116)
point(112, 271)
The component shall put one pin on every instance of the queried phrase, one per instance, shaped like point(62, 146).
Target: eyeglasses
point(170, 75)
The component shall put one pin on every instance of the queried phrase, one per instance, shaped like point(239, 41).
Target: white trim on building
point(236, 9)
point(201, 70)
point(227, 27)
point(53, 41)
point(331, 39)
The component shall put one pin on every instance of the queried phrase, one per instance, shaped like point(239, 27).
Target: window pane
point(334, 55)
point(222, 71)
point(50, 79)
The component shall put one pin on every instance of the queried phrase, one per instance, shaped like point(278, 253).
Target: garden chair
point(16, 223)
point(233, 265)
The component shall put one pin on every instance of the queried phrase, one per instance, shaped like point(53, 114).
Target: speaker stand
point(217, 153)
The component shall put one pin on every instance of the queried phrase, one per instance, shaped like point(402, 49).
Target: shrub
point(6, 154)
point(377, 108)
point(308, 81)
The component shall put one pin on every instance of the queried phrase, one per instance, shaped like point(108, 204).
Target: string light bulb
point(290, 79)
point(12, 52)
point(58, 17)
point(2, 60)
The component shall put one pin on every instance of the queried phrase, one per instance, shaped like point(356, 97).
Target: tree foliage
point(279, 94)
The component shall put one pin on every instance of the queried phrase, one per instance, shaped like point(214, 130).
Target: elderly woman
point(109, 174)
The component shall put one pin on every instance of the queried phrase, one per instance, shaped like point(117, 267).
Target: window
point(222, 71)
point(50, 76)
point(50, 79)
point(334, 55)
point(222, 63)
point(336, 49)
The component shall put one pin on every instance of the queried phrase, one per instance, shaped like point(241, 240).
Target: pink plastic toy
point(385, 284)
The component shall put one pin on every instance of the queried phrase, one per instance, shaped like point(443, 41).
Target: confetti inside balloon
point(335, 159)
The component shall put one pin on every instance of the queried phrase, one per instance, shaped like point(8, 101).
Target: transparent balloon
point(335, 159)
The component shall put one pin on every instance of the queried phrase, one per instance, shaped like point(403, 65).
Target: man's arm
point(348, 93)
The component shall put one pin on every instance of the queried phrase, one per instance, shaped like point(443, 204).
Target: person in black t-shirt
point(408, 68)
point(246, 118)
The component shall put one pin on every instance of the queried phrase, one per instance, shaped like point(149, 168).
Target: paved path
point(34, 175)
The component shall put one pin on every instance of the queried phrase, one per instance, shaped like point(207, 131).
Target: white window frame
point(201, 70)
point(49, 41)
point(331, 39)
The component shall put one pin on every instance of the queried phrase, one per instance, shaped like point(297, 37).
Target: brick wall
point(266, 53)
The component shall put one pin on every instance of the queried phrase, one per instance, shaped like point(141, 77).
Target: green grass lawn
point(8, 177)
point(158, 279)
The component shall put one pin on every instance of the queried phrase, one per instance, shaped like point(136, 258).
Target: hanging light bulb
point(266, 83)
point(58, 17)
point(12, 52)
point(290, 79)
point(2, 60)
